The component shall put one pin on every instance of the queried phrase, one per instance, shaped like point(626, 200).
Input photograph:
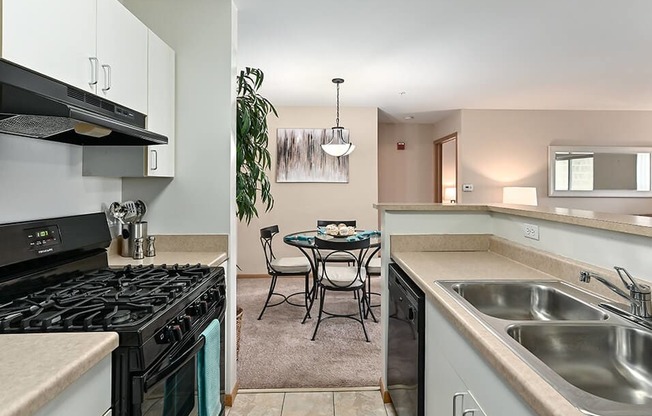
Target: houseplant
point(252, 156)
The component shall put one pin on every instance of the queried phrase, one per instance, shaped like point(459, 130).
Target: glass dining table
point(305, 242)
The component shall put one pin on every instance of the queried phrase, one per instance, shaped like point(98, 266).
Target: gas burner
point(120, 316)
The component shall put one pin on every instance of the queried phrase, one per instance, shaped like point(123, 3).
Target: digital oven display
point(43, 240)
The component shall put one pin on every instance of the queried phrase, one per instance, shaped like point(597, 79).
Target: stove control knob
point(186, 322)
point(176, 333)
point(203, 307)
point(192, 310)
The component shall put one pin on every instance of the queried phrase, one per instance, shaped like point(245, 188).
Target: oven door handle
point(150, 380)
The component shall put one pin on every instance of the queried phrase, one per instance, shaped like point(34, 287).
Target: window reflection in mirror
point(599, 171)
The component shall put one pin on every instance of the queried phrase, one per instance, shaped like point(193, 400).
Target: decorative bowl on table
point(339, 230)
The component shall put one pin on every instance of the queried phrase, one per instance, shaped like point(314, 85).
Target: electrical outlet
point(467, 187)
point(531, 231)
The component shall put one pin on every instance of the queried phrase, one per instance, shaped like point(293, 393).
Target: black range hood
point(34, 105)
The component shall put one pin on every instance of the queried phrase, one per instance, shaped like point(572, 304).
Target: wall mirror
point(590, 171)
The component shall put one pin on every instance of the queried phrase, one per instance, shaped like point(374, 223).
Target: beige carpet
point(276, 352)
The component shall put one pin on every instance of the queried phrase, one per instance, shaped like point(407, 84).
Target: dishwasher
point(405, 344)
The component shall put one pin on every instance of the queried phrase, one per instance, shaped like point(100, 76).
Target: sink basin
point(600, 361)
point(521, 301)
point(609, 361)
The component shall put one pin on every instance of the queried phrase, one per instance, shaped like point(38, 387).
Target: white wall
point(298, 205)
point(405, 175)
point(197, 200)
point(41, 179)
point(509, 148)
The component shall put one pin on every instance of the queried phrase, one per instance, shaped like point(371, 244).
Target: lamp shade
point(450, 194)
point(520, 195)
point(338, 149)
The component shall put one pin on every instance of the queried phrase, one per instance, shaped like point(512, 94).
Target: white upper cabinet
point(145, 161)
point(122, 55)
point(160, 105)
point(94, 45)
point(55, 38)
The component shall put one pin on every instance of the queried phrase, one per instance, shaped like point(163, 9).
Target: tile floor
point(302, 403)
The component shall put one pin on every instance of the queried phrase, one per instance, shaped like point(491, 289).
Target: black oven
point(54, 277)
point(168, 387)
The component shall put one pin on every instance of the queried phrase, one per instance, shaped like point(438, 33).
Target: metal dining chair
point(373, 266)
point(340, 278)
point(281, 267)
point(337, 258)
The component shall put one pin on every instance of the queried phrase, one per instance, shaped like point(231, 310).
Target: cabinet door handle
point(107, 77)
point(455, 396)
point(153, 160)
point(94, 63)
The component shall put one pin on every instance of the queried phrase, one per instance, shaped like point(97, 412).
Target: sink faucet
point(639, 294)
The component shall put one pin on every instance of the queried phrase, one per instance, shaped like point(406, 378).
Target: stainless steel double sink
point(599, 361)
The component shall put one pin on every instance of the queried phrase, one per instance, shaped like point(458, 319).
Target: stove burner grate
point(104, 299)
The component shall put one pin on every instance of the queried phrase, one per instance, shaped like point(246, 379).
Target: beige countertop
point(210, 250)
point(427, 267)
point(171, 257)
point(629, 224)
point(35, 368)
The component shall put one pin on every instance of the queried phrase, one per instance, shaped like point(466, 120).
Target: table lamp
point(520, 195)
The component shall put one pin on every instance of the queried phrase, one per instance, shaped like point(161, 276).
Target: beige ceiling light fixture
point(338, 146)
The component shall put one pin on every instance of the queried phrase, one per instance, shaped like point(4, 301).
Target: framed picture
point(300, 158)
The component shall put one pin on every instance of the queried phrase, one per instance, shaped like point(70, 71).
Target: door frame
point(438, 164)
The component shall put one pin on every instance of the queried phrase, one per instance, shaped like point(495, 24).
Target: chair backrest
point(266, 236)
point(348, 223)
point(356, 250)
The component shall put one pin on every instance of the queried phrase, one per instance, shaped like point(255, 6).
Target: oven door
point(169, 387)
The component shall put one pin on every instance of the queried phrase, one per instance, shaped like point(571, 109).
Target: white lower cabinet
point(458, 382)
point(446, 393)
point(89, 395)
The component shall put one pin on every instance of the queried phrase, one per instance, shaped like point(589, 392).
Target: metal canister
point(130, 234)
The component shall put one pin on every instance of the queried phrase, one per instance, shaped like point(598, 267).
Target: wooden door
point(445, 166)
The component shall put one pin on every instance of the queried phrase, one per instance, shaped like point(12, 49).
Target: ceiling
point(424, 58)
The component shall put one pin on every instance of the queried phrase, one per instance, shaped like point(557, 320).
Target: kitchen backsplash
point(41, 179)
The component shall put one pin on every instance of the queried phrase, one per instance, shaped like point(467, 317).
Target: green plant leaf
point(252, 138)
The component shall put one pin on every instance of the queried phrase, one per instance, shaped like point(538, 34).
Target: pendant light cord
point(337, 117)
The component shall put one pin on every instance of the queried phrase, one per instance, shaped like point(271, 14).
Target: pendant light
point(338, 146)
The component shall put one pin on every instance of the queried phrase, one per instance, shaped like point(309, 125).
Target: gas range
point(54, 277)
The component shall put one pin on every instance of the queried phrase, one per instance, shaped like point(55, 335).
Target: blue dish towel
point(208, 372)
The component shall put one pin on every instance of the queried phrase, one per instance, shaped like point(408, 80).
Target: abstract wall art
point(300, 158)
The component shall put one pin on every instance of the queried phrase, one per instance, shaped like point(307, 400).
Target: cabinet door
point(89, 395)
point(55, 38)
point(488, 387)
point(160, 105)
point(122, 52)
point(447, 395)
